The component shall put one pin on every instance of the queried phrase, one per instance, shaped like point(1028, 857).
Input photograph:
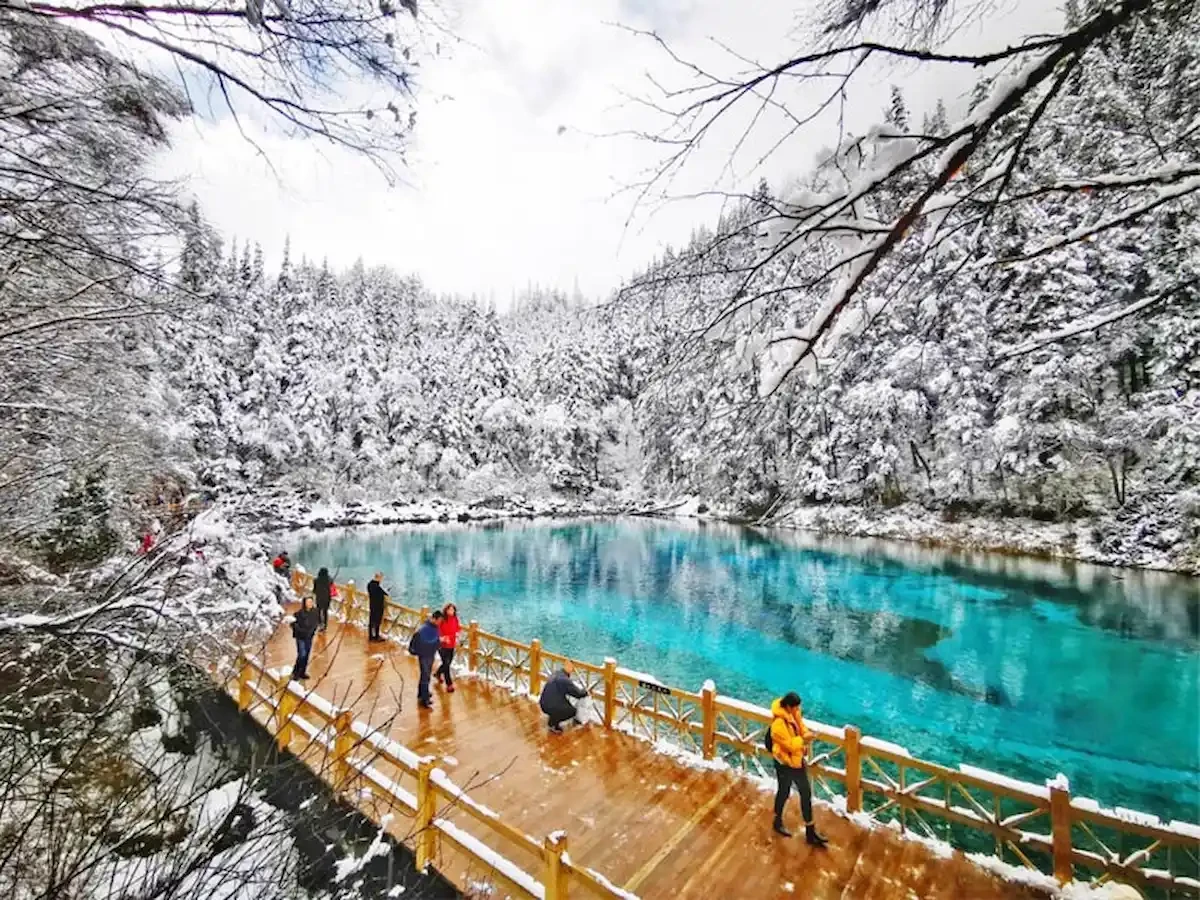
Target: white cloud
point(510, 180)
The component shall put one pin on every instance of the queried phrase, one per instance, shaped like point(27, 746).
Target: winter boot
point(814, 837)
point(779, 829)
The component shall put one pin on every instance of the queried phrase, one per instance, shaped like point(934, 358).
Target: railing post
point(426, 808)
point(348, 597)
point(343, 746)
point(1060, 832)
point(245, 694)
point(535, 666)
point(708, 702)
point(610, 691)
point(554, 880)
point(424, 614)
point(472, 645)
point(285, 708)
point(853, 769)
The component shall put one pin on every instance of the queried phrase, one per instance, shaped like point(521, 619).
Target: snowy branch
point(1096, 322)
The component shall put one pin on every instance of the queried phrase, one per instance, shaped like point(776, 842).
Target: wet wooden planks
point(636, 816)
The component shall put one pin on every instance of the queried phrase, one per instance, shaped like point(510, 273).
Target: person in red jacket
point(448, 631)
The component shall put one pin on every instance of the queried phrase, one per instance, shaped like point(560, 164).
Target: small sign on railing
point(654, 686)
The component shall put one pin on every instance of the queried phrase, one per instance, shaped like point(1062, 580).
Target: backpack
point(412, 643)
point(768, 742)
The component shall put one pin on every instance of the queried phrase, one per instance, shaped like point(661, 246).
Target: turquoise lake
point(1025, 666)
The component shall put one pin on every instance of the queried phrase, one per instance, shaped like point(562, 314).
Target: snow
point(326, 709)
point(617, 892)
point(586, 712)
point(1187, 829)
point(388, 786)
point(442, 780)
point(382, 743)
point(638, 676)
point(215, 804)
point(1012, 784)
point(687, 757)
point(380, 846)
point(1135, 817)
point(164, 703)
point(491, 859)
point(873, 743)
point(1058, 782)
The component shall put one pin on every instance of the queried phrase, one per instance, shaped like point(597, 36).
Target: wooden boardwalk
point(651, 825)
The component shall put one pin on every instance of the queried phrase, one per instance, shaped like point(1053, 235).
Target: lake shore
point(1122, 541)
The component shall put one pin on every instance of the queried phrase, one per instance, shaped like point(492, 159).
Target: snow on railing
point(898, 784)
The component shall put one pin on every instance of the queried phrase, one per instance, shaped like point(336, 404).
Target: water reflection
point(1025, 665)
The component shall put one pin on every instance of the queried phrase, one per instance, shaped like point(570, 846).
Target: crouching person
point(789, 739)
point(554, 701)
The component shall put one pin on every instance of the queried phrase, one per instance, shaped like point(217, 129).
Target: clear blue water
point(1023, 666)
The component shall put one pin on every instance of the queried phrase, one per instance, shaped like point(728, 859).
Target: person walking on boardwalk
point(424, 646)
point(303, 629)
point(448, 632)
point(323, 596)
point(554, 702)
point(377, 597)
point(788, 739)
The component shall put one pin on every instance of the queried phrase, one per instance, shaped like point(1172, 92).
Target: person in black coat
point(377, 597)
point(424, 646)
point(322, 596)
point(303, 630)
point(554, 702)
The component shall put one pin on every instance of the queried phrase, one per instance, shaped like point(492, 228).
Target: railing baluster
point(343, 746)
point(853, 754)
point(426, 808)
point(1060, 833)
point(708, 743)
point(285, 709)
point(555, 878)
point(610, 691)
point(245, 694)
point(472, 645)
point(535, 666)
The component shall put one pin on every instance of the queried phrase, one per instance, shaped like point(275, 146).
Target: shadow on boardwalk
point(648, 823)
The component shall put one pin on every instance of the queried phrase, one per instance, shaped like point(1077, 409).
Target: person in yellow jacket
point(789, 745)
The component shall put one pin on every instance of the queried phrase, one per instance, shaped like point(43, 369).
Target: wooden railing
point(1041, 828)
point(346, 753)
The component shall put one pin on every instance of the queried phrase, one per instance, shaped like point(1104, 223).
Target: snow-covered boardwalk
point(637, 818)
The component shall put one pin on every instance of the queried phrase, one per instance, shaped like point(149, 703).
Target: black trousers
point(426, 666)
point(376, 619)
point(786, 777)
point(559, 716)
point(443, 671)
point(323, 615)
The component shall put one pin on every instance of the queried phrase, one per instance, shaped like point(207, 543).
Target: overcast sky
point(513, 175)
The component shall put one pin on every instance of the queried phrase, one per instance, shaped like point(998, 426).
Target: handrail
point(871, 776)
point(290, 708)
